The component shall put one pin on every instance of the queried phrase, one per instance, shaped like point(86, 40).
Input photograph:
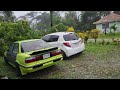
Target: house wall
point(99, 26)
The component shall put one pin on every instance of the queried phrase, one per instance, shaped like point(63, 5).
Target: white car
point(68, 42)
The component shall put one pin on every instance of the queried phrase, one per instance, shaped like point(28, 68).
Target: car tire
point(18, 69)
point(5, 59)
point(64, 55)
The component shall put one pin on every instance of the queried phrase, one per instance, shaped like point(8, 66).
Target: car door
point(9, 51)
point(13, 53)
point(52, 40)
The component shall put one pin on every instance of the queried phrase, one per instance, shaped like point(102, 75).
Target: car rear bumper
point(39, 66)
point(72, 51)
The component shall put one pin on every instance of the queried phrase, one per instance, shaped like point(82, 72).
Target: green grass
point(97, 61)
point(6, 70)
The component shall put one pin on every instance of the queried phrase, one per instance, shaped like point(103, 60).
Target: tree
point(87, 19)
point(57, 17)
point(8, 16)
point(42, 21)
point(71, 19)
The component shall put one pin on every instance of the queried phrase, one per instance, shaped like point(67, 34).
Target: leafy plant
point(85, 36)
point(11, 32)
point(114, 27)
point(94, 33)
point(70, 29)
point(57, 28)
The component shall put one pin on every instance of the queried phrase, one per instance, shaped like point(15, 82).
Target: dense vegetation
point(35, 25)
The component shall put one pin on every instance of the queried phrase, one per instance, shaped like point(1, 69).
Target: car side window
point(51, 38)
point(15, 48)
point(11, 48)
point(46, 38)
point(54, 38)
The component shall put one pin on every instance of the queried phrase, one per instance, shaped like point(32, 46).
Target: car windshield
point(71, 36)
point(33, 45)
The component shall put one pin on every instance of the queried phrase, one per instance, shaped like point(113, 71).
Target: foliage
point(11, 32)
point(70, 29)
point(7, 16)
point(89, 17)
point(114, 27)
point(81, 35)
point(94, 33)
point(84, 36)
point(87, 35)
point(71, 19)
point(57, 28)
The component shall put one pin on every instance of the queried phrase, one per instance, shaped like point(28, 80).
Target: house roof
point(109, 18)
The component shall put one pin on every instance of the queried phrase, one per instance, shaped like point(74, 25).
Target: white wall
point(99, 26)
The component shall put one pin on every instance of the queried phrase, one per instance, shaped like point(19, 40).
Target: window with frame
point(46, 38)
point(15, 48)
point(11, 48)
point(105, 25)
point(54, 38)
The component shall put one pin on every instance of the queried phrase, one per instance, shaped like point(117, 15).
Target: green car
point(32, 55)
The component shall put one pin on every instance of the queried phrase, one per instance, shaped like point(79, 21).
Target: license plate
point(46, 55)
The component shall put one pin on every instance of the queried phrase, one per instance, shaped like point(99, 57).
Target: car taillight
point(33, 59)
point(56, 52)
point(67, 44)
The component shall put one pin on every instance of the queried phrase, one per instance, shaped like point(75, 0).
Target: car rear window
point(71, 36)
point(33, 45)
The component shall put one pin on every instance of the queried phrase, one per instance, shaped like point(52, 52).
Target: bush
point(11, 32)
point(70, 29)
point(94, 33)
point(81, 35)
point(84, 36)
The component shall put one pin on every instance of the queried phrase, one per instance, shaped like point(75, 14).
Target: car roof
point(26, 40)
point(60, 33)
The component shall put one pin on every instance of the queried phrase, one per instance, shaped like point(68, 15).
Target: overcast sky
point(22, 13)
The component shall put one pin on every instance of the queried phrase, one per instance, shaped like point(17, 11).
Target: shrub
point(84, 36)
point(94, 33)
point(11, 32)
point(114, 27)
point(81, 35)
point(70, 29)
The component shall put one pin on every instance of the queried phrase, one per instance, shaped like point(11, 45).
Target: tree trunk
point(51, 18)
point(95, 41)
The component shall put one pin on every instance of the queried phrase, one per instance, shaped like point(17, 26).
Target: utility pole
point(51, 18)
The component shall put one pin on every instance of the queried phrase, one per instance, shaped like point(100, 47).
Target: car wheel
point(5, 59)
point(64, 55)
point(18, 69)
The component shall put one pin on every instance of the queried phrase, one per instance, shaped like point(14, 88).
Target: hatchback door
point(73, 40)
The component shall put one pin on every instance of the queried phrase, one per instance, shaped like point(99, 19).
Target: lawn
point(96, 62)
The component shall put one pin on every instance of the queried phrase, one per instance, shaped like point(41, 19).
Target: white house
point(107, 21)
